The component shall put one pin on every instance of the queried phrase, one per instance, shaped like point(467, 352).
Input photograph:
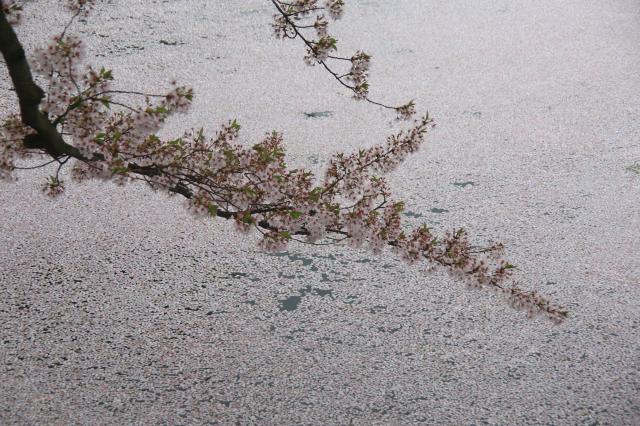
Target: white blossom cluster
point(359, 73)
point(335, 8)
point(59, 63)
point(12, 133)
point(82, 7)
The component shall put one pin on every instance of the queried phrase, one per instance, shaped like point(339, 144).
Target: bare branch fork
point(288, 13)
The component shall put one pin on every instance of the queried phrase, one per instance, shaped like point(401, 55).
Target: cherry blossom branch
point(39, 166)
point(319, 51)
point(29, 94)
point(221, 177)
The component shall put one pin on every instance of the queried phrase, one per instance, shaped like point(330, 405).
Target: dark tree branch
point(30, 95)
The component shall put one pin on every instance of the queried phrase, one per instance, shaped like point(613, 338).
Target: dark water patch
point(171, 43)
point(305, 290)
point(329, 256)
point(305, 260)
point(437, 210)
point(316, 291)
point(389, 330)
point(464, 184)
point(476, 114)
point(634, 168)
point(318, 114)
point(234, 275)
point(290, 303)
point(293, 257)
point(217, 312)
point(421, 398)
point(131, 47)
point(288, 277)
point(252, 12)
point(378, 308)
point(308, 261)
point(350, 299)
point(409, 213)
point(332, 340)
point(279, 254)
point(325, 278)
point(322, 293)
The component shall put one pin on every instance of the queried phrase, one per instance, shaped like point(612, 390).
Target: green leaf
point(106, 101)
point(247, 218)
point(285, 234)
point(178, 143)
point(230, 156)
point(314, 195)
point(118, 170)
point(106, 74)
